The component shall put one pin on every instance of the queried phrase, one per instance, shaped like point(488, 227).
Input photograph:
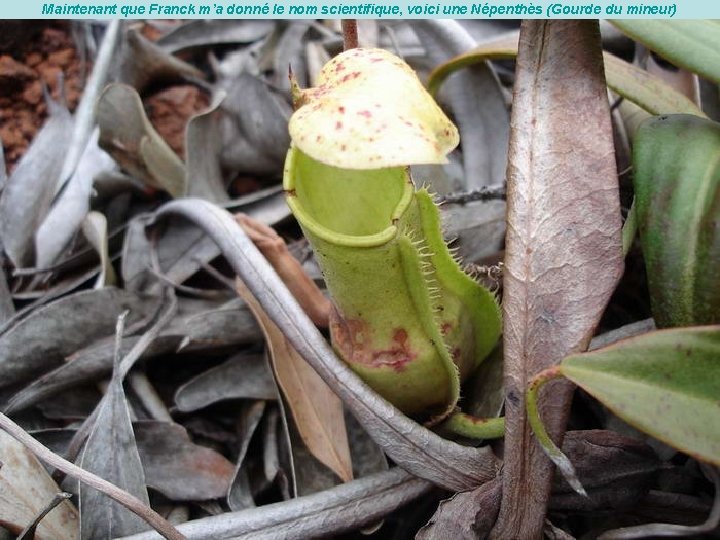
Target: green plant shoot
point(407, 319)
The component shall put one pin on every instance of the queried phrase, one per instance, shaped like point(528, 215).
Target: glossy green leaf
point(665, 383)
point(691, 44)
point(676, 161)
point(626, 80)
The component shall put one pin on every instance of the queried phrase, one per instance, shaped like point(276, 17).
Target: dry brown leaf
point(317, 411)
point(25, 490)
point(563, 248)
point(270, 244)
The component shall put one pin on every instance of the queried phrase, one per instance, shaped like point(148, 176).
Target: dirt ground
point(37, 53)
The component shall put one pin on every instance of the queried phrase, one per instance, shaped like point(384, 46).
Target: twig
point(489, 193)
point(629, 229)
point(350, 34)
point(132, 503)
point(209, 294)
point(28, 532)
point(149, 397)
point(624, 332)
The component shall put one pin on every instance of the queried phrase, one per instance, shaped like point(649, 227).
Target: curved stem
point(469, 426)
point(536, 423)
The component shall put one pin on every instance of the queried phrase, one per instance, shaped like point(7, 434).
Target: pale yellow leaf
point(370, 111)
point(25, 490)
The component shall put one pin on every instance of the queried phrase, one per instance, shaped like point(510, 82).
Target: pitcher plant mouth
point(316, 191)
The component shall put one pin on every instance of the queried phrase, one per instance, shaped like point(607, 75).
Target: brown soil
point(37, 52)
point(25, 64)
point(170, 109)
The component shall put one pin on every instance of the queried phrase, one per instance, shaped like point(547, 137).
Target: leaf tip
point(566, 468)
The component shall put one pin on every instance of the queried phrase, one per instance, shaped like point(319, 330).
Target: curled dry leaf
point(203, 145)
point(253, 126)
point(127, 135)
point(317, 411)
point(143, 63)
point(563, 246)
point(370, 111)
point(71, 205)
point(111, 450)
point(304, 289)
point(239, 495)
point(178, 468)
point(201, 33)
point(25, 489)
point(343, 508)
point(94, 228)
point(243, 376)
point(465, 516)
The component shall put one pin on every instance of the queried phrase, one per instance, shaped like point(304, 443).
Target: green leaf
point(645, 89)
point(370, 111)
point(626, 80)
point(676, 161)
point(665, 383)
point(693, 45)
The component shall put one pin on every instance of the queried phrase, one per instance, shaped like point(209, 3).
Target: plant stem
point(536, 423)
point(350, 34)
point(466, 425)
